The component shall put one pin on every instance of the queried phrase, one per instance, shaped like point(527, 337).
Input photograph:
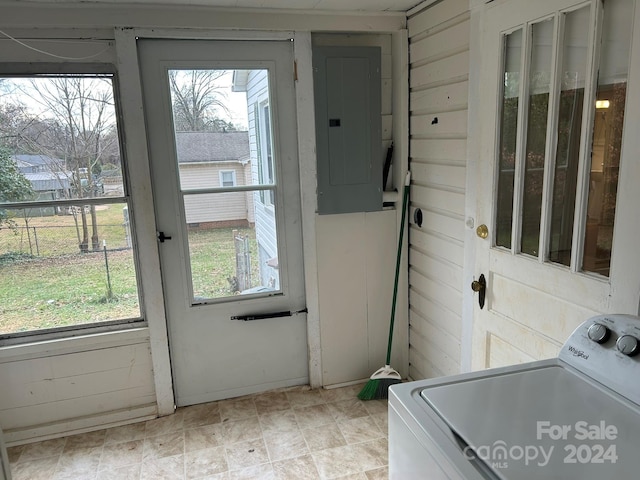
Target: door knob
point(482, 231)
point(480, 286)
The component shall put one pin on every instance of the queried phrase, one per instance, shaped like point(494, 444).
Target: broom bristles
point(377, 389)
point(378, 385)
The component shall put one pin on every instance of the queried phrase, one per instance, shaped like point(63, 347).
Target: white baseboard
point(80, 425)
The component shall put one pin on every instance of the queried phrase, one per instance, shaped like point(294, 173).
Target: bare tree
point(196, 96)
point(76, 125)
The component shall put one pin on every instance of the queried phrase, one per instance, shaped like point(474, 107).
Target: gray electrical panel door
point(348, 128)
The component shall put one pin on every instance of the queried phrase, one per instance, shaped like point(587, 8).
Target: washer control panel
point(607, 348)
point(599, 333)
point(628, 345)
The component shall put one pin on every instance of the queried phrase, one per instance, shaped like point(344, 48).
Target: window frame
point(234, 181)
point(267, 164)
point(29, 69)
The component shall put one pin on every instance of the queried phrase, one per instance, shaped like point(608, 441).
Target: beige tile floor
point(294, 433)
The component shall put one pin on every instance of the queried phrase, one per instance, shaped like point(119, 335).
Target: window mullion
point(582, 188)
point(552, 138)
point(521, 141)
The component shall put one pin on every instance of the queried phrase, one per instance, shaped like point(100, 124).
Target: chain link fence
point(52, 241)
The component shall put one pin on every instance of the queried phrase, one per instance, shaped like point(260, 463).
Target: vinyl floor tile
point(288, 434)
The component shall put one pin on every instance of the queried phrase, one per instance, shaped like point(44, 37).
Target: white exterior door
point(222, 140)
point(557, 88)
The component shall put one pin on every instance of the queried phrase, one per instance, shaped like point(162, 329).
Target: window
point(266, 155)
point(227, 178)
point(66, 250)
point(546, 158)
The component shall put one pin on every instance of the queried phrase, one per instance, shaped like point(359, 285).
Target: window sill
point(36, 346)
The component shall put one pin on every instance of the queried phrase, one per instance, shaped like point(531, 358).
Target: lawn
point(213, 261)
point(55, 285)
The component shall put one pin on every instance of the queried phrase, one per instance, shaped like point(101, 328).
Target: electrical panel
point(348, 109)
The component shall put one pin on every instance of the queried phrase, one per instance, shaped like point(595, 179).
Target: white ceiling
point(315, 5)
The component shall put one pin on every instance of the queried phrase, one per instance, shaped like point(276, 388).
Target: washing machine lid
point(544, 423)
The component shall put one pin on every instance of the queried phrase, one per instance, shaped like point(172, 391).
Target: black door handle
point(162, 237)
point(480, 286)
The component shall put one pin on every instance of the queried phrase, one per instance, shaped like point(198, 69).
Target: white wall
point(258, 96)
point(356, 261)
point(439, 71)
point(75, 385)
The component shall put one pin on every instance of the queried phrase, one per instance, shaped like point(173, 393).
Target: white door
point(222, 140)
point(557, 89)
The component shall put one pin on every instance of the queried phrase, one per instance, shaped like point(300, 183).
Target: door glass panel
point(231, 227)
point(539, 84)
point(573, 71)
point(508, 133)
point(607, 136)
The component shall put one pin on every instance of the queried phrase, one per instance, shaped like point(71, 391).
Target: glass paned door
point(550, 138)
point(221, 123)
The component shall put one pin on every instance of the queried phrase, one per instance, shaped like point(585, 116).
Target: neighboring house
point(46, 174)
point(38, 163)
point(215, 159)
point(255, 84)
point(48, 178)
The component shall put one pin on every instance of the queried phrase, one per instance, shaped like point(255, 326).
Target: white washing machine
point(573, 417)
point(5, 473)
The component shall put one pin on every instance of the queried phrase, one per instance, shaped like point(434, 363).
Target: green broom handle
point(405, 199)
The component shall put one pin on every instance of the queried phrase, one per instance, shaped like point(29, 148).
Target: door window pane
point(607, 136)
point(508, 133)
point(66, 260)
point(538, 108)
point(224, 145)
point(572, 78)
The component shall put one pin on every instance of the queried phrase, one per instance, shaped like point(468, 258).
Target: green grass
point(213, 261)
point(61, 287)
point(59, 291)
point(58, 235)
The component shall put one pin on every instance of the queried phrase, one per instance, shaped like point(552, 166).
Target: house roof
point(196, 147)
point(36, 160)
point(44, 181)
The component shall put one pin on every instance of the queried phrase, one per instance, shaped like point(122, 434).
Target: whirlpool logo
point(578, 353)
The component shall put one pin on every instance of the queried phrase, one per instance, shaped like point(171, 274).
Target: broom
point(378, 385)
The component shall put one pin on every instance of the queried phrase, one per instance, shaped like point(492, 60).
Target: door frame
point(626, 232)
point(131, 95)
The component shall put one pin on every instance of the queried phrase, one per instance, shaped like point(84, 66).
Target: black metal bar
point(261, 316)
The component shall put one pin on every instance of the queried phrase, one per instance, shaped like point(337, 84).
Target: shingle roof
point(196, 147)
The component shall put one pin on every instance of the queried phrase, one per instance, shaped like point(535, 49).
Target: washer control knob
point(599, 333)
point(628, 345)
